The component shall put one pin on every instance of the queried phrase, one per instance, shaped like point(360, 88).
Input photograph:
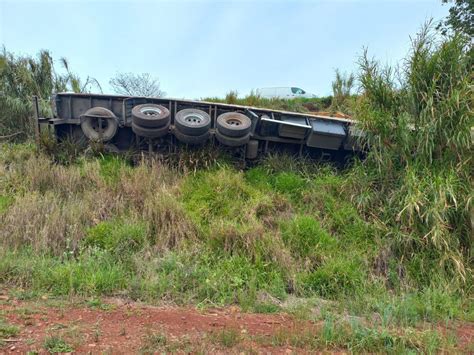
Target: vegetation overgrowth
point(294, 105)
point(21, 78)
point(418, 174)
point(274, 237)
point(388, 239)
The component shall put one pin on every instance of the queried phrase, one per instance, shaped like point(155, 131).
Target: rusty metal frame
point(67, 109)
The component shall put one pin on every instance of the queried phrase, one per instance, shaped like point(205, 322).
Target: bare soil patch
point(121, 327)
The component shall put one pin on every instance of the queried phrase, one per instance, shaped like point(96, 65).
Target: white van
point(283, 93)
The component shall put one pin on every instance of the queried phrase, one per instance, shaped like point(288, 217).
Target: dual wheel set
point(191, 126)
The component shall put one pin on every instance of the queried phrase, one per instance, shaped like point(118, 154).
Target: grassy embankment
point(281, 236)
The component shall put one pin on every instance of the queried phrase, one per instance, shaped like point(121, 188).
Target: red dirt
point(465, 334)
point(124, 327)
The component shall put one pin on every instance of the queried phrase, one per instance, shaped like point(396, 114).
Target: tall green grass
point(417, 177)
point(218, 236)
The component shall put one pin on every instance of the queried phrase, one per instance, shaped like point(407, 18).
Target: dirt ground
point(121, 327)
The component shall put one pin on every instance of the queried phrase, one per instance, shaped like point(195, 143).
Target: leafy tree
point(131, 84)
point(460, 18)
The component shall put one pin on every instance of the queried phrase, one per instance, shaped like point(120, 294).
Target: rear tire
point(233, 124)
point(150, 132)
point(232, 141)
point(192, 122)
point(192, 140)
point(150, 115)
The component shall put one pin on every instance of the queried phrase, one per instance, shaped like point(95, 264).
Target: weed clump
point(305, 237)
point(7, 331)
point(335, 277)
point(226, 337)
point(55, 344)
point(116, 237)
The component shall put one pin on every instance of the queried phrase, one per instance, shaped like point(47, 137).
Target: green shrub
point(5, 202)
point(224, 197)
point(112, 168)
point(430, 304)
point(336, 276)
point(305, 236)
point(259, 178)
point(344, 220)
point(118, 237)
point(289, 183)
point(7, 330)
point(261, 307)
point(205, 277)
point(55, 344)
point(217, 194)
point(227, 338)
point(93, 272)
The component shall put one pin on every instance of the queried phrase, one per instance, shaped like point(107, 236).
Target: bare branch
point(131, 84)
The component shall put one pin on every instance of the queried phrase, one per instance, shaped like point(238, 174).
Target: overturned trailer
point(159, 124)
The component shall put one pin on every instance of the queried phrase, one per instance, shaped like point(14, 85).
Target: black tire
point(232, 141)
point(150, 115)
point(90, 124)
point(193, 140)
point(150, 132)
point(233, 124)
point(192, 122)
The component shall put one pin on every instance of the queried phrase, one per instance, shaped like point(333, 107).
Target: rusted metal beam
point(36, 118)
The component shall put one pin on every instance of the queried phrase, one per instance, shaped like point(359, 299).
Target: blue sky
point(206, 48)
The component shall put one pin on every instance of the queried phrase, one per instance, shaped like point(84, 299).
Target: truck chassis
point(77, 115)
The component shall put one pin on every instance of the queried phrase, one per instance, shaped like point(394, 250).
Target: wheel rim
point(233, 122)
point(194, 119)
point(150, 111)
point(95, 124)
